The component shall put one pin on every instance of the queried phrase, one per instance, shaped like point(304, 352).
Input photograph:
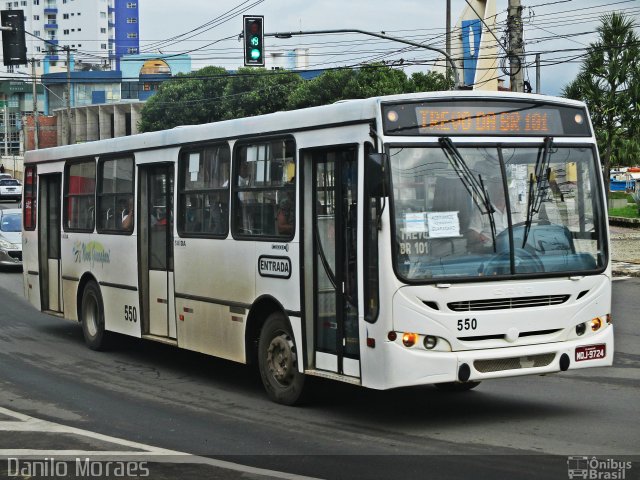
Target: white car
point(10, 189)
point(11, 237)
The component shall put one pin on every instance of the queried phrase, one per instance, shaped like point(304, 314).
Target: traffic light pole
point(456, 76)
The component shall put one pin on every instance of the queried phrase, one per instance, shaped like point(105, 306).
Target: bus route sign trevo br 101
point(484, 118)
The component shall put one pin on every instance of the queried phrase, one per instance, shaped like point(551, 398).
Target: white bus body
point(379, 283)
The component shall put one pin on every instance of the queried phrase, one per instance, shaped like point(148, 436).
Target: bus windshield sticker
point(443, 224)
point(194, 166)
point(274, 267)
point(415, 222)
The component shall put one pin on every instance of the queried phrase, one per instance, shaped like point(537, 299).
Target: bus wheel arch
point(261, 309)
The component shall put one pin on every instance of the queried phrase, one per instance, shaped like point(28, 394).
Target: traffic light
point(14, 48)
point(253, 41)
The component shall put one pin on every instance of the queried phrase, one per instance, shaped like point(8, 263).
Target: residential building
point(98, 32)
point(16, 102)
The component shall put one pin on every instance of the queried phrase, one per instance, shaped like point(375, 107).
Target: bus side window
point(204, 190)
point(264, 175)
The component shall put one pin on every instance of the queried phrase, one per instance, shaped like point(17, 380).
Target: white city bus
point(435, 238)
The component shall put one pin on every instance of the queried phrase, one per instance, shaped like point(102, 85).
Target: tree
point(367, 81)
point(377, 79)
point(608, 83)
point(325, 89)
point(212, 94)
point(429, 82)
point(186, 100)
point(257, 91)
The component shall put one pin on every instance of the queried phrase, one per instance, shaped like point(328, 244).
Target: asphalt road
point(154, 394)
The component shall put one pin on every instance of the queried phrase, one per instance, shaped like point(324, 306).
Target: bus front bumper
point(413, 366)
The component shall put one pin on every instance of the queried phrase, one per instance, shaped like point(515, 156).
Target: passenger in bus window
point(218, 214)
point(194, 214)
point(127, 216)
point(285, 215)
point(158, 217)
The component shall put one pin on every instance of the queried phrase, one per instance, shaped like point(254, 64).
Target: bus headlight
point(581, 328)
point(430, 342)
point(426, 342)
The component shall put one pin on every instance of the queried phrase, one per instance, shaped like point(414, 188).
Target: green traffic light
point(255, 54)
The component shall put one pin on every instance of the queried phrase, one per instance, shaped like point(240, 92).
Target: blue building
point(107, 104)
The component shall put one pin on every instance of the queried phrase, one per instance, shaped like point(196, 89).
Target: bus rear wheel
point(278, 359)
point(456, 386)
point(92, 317)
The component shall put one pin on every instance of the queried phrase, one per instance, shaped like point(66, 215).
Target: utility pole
point(516, 45)
point(36, 119)
point(6, 130)
point(68, 122)
point(448, 37)
point(538, 90)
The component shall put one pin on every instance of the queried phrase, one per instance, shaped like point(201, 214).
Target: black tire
point(456, 386)
point(278, 361)
point(92, 317)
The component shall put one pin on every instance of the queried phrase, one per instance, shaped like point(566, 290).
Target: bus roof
point(342, 112)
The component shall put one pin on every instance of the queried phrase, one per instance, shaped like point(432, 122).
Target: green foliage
point(186, 100)
point(429, 82)
point(376, 79)
point(609, 82)
point(627, 196)
point(630, 211)
point(212, 94)
point(257, 91)
point(322, 90)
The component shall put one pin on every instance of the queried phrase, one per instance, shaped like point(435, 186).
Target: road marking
point(139, 451)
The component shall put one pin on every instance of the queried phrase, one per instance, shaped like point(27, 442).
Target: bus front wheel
point(92, 317)
point(278, 359)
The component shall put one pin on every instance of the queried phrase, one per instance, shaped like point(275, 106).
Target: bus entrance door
point(49, 242)
point(156, 247)
point(335, 220)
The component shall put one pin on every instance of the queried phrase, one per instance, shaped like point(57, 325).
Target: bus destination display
point(445, 121)
point(484, 118)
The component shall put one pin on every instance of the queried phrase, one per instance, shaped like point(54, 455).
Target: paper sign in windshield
point(415, 222)
point(443, 224)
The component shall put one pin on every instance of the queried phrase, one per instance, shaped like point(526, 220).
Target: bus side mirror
point(376, 174)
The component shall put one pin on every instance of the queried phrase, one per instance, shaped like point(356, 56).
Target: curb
point(625, 269)
point(625, 222)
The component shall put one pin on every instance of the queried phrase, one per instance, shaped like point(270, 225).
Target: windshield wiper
point(475, 187)
point(538, 190)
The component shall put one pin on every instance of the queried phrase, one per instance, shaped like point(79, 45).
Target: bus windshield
point(487, 211)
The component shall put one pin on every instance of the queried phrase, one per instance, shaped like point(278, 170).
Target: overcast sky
point(559, 29)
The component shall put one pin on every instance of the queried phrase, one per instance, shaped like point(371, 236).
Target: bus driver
point(479, 233)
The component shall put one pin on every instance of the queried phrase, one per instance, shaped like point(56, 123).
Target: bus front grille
point(507, 303)
point(514, 363)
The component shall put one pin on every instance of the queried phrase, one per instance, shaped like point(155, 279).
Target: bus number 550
point(130, 313)
point(467, 324)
